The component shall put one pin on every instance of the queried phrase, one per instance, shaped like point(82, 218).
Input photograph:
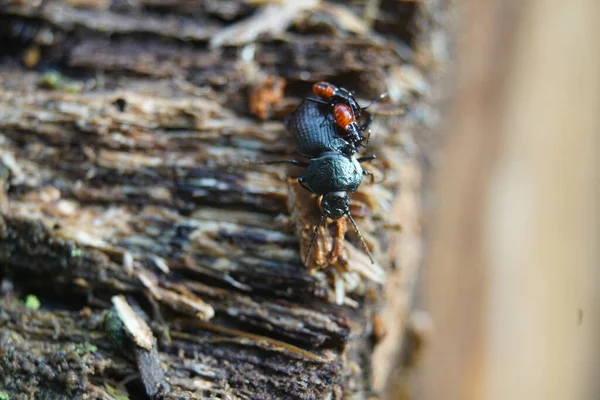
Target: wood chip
point(137, 329)
point(271, 19)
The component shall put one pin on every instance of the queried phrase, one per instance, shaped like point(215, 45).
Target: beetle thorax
point(333, 172)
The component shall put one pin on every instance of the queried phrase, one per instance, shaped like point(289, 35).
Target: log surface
point(128, 136)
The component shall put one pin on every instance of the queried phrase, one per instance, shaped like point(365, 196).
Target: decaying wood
point(132, 173)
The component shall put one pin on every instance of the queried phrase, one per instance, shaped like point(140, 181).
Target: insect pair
point(332, 170)
point(346, 112)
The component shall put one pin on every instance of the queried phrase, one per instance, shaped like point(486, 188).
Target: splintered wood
point(330, 249)
point(131, 171)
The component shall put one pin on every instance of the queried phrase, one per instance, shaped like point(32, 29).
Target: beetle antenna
point(362, 240)
point(314, 236)
point(381, 97)
point(294, 162)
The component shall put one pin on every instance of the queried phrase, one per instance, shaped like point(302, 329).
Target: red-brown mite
point(324, 89)
point(343, 116)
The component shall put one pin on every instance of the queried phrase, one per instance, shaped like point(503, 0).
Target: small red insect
point(336, 95)
point(346, 110)
point(345, 119)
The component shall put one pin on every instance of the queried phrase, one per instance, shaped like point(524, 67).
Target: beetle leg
point(327, 119)
point(365, 127)
point(369, 173)
point(367, 123)
point(317, 100)
point(302, 182)
point(366, 144)
point(372, 175)
point(370, 157)
point(368, 137)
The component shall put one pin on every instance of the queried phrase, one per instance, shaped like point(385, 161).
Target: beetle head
point(335, 204)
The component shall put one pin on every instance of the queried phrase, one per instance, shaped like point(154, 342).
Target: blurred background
point(511, 277)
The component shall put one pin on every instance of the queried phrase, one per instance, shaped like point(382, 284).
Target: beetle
point(345, 119)
point(315, 134)
point(313, 138)
point(332, 170)
point(334, 94)
point(346, 111)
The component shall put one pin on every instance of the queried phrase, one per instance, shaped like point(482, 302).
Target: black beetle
point(332, 171)
point(312, 134)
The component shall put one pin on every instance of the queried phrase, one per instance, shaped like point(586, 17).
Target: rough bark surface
point(128, 132)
